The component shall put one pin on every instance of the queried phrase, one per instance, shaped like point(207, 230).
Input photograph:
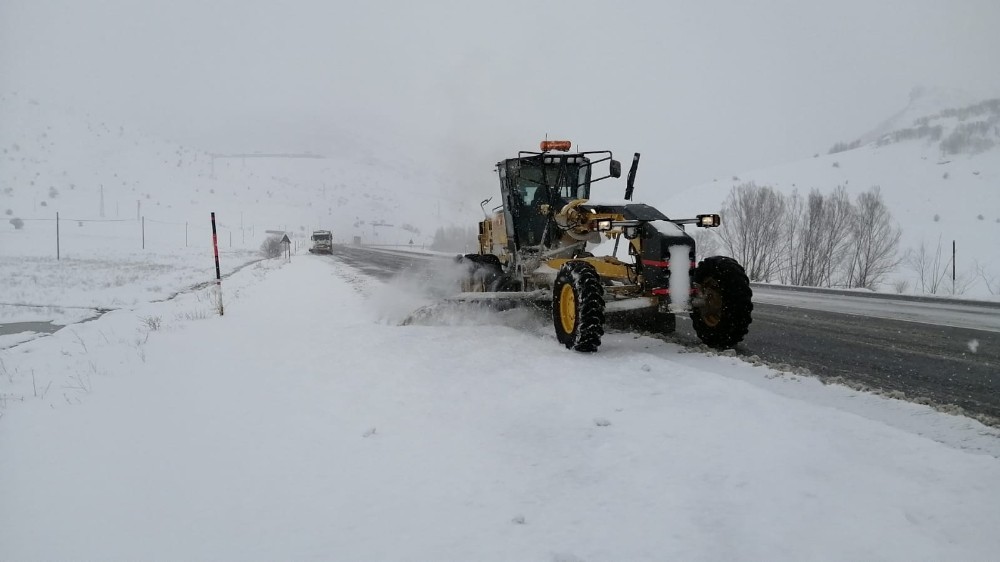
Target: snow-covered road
point(306, 423)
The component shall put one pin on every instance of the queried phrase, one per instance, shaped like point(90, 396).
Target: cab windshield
point(567, 180)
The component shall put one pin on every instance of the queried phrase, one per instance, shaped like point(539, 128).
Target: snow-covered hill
point(938, 168)
point(54, 159)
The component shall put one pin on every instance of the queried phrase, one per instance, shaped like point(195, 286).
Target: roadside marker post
point(218, 273)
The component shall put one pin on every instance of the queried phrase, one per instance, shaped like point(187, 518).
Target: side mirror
point(616, 169)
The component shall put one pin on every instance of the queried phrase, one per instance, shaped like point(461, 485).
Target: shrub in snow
point(18, 223)
point(53, 193)
point(152, 323)
point(271, 247)
point(9, 212)
point(968, 138)
point(843, 147)
point(937, 218)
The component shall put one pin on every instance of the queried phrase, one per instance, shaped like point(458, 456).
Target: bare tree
point(933, 272)
point(791, 273)
point(991, 280)
point(752, 229)
point(818, 237)
point(834, 247)
point(272, 247)
point(812, 231)
point(928, 267)
point(961, 284)
point(874, 238)
point(706, 243)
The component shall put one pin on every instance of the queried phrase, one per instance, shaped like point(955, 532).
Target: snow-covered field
point(100, 266)
point(110, 175)
point(307, 423)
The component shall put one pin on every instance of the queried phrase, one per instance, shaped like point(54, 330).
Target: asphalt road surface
point(946, 356)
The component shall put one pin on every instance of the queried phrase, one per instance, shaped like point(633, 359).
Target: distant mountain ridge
point(950, 118)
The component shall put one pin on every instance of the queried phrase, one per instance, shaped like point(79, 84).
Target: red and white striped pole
point(218, 273)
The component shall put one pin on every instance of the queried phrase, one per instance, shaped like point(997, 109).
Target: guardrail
point(873, 295)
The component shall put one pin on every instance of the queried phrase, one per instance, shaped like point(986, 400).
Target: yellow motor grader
point(537, 246)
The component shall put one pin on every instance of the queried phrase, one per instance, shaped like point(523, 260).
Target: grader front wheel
point(578, 306)
point(724, 316)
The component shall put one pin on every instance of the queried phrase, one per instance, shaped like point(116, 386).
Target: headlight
point(604, 225)
point(709, 221)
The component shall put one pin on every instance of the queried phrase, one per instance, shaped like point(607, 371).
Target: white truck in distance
point(322, 242)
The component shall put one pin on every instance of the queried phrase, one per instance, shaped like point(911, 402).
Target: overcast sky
point(703, 89)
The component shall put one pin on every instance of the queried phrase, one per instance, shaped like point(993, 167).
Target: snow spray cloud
point(419, 297)
point(417, 288)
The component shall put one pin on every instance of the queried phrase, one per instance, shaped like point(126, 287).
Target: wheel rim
point(711, 312)
point(567, 309)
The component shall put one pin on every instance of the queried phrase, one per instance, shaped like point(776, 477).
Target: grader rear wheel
point(578, 306)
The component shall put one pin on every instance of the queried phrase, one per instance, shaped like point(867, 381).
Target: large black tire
point(578, 306)
point(724, 317)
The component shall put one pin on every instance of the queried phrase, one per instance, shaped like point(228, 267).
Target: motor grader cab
point(537, 246)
